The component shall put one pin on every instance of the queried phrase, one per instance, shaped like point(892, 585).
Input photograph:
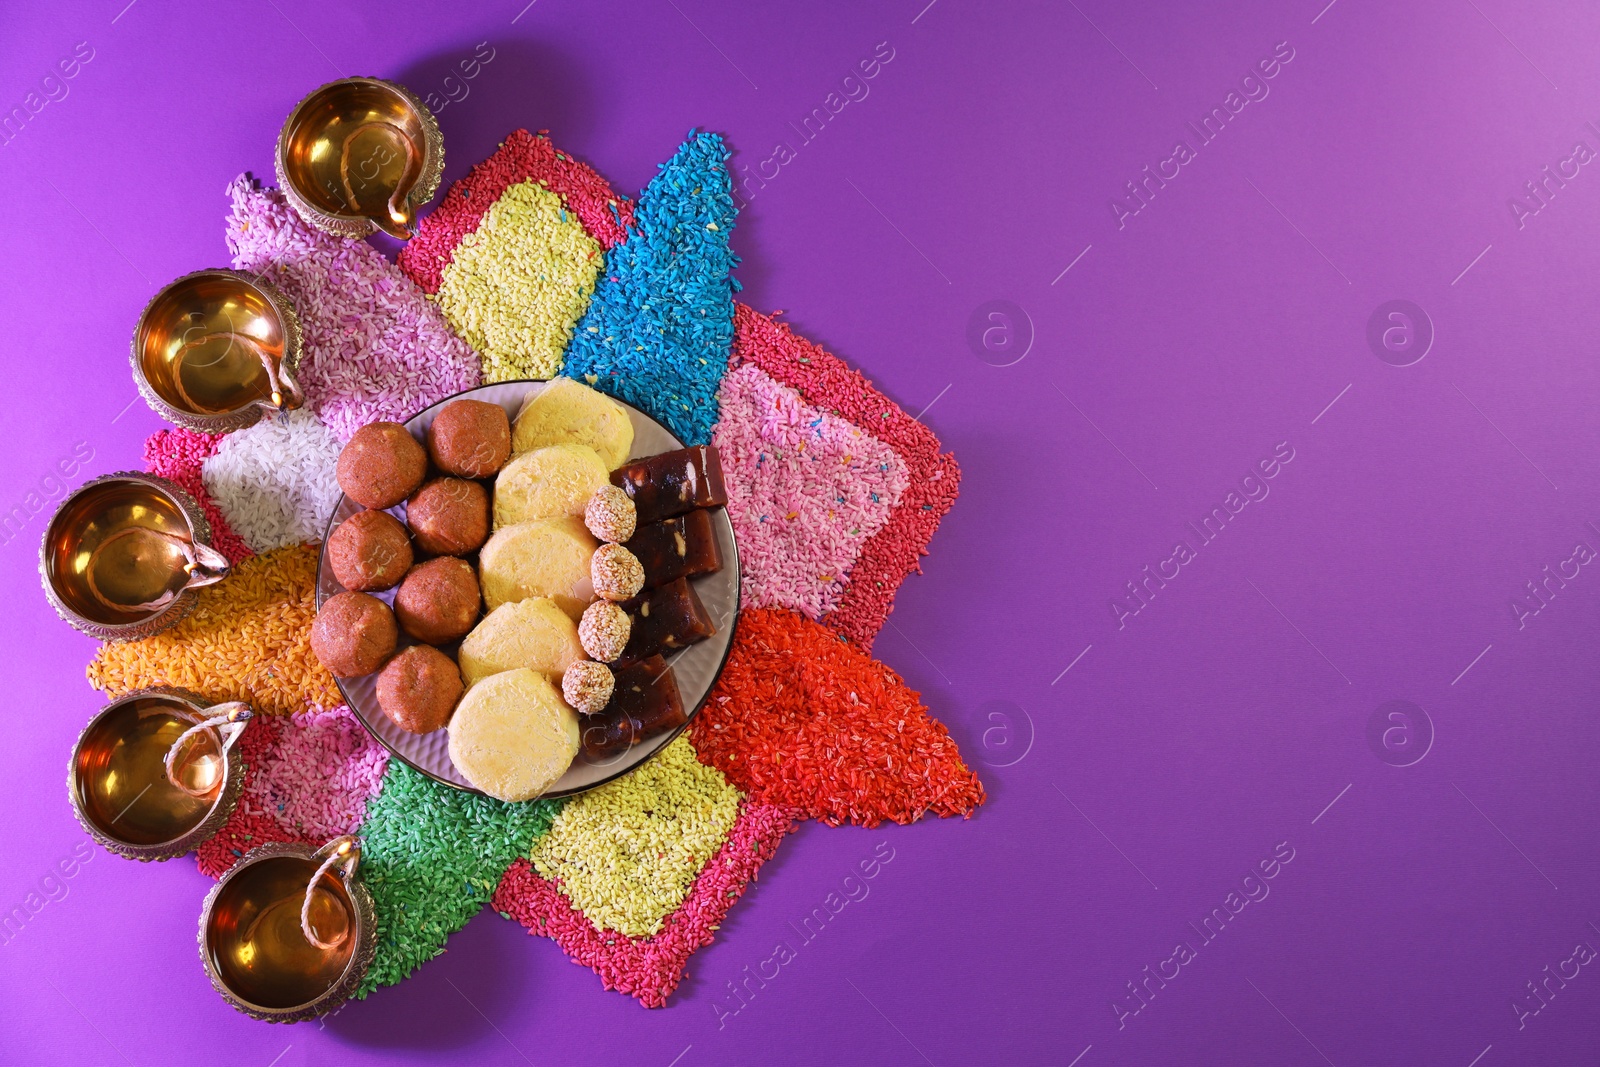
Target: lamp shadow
point(449, 1001)
point(473, 86)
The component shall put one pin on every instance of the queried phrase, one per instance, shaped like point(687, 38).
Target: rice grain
point(274, 481)
point(658, 330)
point(627, 853)
point(248, 638)
point(432, 856)
point(375, 348)
point(806, 490)
point(517, 283)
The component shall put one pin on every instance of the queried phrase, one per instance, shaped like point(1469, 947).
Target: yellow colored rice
point(515, 286)
point(627, 854)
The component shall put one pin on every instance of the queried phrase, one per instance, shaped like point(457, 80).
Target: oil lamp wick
point(182, 544)
point(397, 196)
point(233, 711)
point(268, 362)
point(344, 848)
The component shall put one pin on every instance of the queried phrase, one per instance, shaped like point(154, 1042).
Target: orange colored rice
point(248, 638)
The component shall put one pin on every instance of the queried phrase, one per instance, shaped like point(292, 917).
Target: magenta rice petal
point(316, 780)
point(180, 454)
point(806, 489)
point(246, 829)
point(375, 348)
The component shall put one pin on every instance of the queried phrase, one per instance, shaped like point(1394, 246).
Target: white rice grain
point(274, 481)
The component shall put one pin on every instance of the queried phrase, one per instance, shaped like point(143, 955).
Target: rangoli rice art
point(249, 825)
point(248, 638)
point(316, 781)
point(180, 454)
point(374, 346)
point(532, 266)
point(803, 718)
point(274, 481)
point(517, 284)
point(626, 854)
point(308, 777)
point(806, 490)
point(825, 380)
point(658, 331)
point(432, 856)
point(521, 157)
point(649, 968)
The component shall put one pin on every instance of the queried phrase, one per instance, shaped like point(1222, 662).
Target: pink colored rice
point(806, 489)
point(374, 346)
point(317, 779)
point(828, 382)
point(247, 829)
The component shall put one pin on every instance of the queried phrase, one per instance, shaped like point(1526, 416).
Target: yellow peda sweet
point(543, 557)
point(533, 633)
point(512, 735)
point(567, 411)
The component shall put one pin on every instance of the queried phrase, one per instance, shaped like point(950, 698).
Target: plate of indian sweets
point(528, 589)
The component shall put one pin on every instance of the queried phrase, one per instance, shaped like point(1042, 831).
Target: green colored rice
point(432, 856)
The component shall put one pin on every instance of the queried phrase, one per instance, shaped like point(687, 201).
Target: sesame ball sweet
point(587, 686)
point(616, 572)
point(603, 631)
point(610, 514)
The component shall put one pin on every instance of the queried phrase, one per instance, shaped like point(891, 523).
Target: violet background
point(1177, 751)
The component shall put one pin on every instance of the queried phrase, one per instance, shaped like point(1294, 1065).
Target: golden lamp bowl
point(252, 942)
point(118, 779)
point(216, 349)
point(358, 155)
point(124, 554)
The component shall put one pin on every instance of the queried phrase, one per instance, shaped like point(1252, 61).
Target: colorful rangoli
point(532, 266)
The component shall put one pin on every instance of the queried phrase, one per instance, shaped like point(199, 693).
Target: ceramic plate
point(696, 667)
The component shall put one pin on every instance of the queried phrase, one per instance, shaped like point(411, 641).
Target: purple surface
point(1129, 794)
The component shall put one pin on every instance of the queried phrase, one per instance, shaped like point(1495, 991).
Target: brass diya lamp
point(216, 349)
point(156, 774)
point(289, 931)
point(124, 554)
point(358, 155)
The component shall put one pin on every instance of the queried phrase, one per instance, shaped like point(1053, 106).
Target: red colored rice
point(804, 719)
point(520, 157)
